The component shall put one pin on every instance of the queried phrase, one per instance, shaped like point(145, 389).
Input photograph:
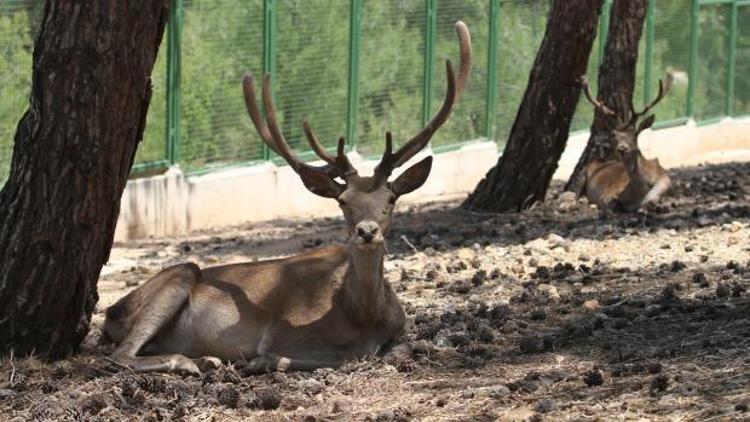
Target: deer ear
point(646, 123)
point(320, 184)
point(413, 177)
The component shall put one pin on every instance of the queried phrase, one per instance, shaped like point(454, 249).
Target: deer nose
point(367, 230)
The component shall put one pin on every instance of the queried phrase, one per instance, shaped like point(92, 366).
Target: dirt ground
point(554, 314)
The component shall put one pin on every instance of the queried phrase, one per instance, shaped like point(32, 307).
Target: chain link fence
point(357, 68)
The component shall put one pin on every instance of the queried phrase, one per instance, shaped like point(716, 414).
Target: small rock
point(517, 268)
point(699, 278)
point(659, 383)
point(531, 344)
point(654, 368)
point(735, 227)
point(499, 391)
point(545, 406)
point(723, 290)
point(733, 240)
point(584, 258)
point(466, 254)
point(269, 398)
point(591, 304)
point(441, 402)
point(557, 241)
point(210, 259)
point(742, 406)
point(593, 378)
point(653, 310)
point(549, 291)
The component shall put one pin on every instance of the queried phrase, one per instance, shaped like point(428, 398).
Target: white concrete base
point(172, 204)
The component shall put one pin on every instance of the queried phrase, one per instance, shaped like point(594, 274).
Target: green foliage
point(15, 77)
point(223, 39)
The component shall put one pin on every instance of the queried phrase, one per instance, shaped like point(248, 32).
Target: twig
point(414, 249)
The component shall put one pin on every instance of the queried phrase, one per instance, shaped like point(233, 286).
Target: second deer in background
point(628, 182)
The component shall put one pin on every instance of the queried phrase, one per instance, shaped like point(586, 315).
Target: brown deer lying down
point(312, 310)
point(629, 182)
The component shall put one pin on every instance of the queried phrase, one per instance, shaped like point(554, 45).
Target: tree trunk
point(616, 82)
point(540, 131)
point(73, 150)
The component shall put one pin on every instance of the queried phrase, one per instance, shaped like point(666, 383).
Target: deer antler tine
point(316, 145)
point(251, 104)
point(281, 145)
point(418, 142)
point(664, 88)
point(464, 42)
point(454, 87)
point(342, 160)
point(388, 143)
point(587, 92)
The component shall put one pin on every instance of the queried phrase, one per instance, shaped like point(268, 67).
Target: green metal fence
point(361, 67)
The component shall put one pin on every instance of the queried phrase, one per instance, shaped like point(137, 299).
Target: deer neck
point(364, 286)
point(633, 166)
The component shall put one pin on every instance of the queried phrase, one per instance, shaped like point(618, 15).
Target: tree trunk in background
point(540, 131)
point(616, 82)
point(73, 150)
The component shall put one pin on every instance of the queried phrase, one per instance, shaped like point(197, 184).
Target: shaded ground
point(555, 314)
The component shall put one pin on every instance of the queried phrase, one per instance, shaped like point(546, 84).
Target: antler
point(664, 87)
point(271, 134)
point(455, 85)
point(599, 106)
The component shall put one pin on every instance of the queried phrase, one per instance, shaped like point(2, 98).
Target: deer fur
point(316, 309)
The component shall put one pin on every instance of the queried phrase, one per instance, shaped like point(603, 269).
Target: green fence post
point(491, 103)
point(693, 64)
point(604, 27)
point(732, 60)
point(649, 62)
point(355, 31)
point(174, 57)
point(269, 52)
point(429, 59)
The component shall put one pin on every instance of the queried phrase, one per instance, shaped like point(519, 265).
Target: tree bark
point(540, 131)
point(616, 82)
point(73, 150)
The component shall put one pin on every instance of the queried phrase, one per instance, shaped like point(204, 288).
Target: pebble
point(550, 291)
point(591, 304)
point(556, 241)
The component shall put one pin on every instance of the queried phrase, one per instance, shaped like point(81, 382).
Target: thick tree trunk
point(540, 130)
point(616, 82)
point(73, 150)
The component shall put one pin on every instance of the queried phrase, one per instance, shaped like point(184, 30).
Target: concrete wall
point(173, 204)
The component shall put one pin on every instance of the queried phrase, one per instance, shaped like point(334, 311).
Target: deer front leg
point(662, 185)
point(269, 363)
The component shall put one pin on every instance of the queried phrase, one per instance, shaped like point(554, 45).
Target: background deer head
point(367, 202)
point(630, 123)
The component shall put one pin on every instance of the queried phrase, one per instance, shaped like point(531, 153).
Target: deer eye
point(392, 199)
point(342, 202)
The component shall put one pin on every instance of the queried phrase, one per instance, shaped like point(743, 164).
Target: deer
point(628, 182)
point(317, 309)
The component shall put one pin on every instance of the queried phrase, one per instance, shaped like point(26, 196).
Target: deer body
point(629, 181)
point(312, 310)
point(620, 187)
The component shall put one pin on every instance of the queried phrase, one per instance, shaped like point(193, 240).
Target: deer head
point(367, 202)
point(629, 123)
